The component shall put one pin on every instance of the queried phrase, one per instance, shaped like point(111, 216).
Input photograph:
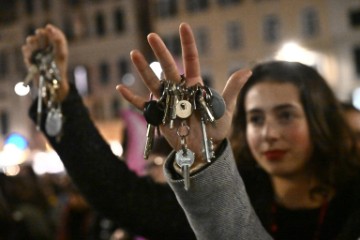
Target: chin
point(277, 172)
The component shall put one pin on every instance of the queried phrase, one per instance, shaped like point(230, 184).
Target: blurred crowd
point(45, 207)
point(50, 207)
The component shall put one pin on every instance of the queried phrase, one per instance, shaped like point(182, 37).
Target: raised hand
point(192, 74)
point(43, 38)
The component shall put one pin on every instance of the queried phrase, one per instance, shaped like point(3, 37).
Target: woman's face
point(277, 130)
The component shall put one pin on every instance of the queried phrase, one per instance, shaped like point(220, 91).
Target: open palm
point(193, 76)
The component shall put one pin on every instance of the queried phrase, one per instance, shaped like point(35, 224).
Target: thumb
point(233, 87)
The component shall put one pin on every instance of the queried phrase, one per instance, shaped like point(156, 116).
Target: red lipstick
point(274, 155)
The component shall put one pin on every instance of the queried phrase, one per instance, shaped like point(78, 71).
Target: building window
point(104, 70)
point(45, 4)
point(123, 68)
point(100, 24)
point(73, 2)
point(4, 118)
point(98, 109)
point(227, 2)
point(29, 7)
point(30, 30)
point(310, 22)
point(119, 20)
point(357, 60)
point(3, 64)
point(234, 35)
point(115, 107)
point(166, 8)
point(173, 44)
point(19, 62)
point(68, 28)
point(8, 12)
point(80, 26)
point(196, 5)
point(354, 17)
point(202, 39)
point(271, 29)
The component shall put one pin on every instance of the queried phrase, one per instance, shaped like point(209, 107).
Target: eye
point(256, 119)
point(286, 116)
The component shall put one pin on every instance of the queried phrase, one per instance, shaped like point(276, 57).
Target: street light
point(293, 52)
point(156, 67)
point(21, 89)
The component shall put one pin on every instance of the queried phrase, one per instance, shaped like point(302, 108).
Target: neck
point(294, 193)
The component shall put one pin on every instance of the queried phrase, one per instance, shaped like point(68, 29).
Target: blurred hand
point(50, 36)
point(193, 76)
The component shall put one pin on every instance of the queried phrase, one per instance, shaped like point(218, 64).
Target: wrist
point(196, 167)
point(200, 161)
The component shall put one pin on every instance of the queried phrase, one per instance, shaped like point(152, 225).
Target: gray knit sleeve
point(217, 205)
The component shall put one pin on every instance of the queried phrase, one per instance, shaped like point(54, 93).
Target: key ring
point(183, 130)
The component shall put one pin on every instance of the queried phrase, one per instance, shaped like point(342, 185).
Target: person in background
point(28, 210)
point(154, 164)
point(352, 115)
point(299, 167)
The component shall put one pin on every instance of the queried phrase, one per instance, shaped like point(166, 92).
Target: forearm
point(217, 205)
point(107, 183)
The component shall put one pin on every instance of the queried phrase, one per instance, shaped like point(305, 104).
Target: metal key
point(185, 158)
point(153, 114)
point(150, 133)
point(54, 121)
point(40, 101)
point(204, 106)
point(207, 143)
point(32, 70)
point(172, 104)
point(167, 98)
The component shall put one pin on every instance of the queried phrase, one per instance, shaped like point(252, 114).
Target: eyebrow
point(277, 108)
point(284, 106)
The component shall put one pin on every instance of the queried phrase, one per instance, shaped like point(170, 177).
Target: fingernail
point(248, 74)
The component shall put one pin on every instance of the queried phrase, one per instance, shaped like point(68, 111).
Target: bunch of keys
point(180, 102)
point(43, 64)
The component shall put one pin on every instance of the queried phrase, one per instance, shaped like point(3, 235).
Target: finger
point(32, 45)
point(233, 87)
point(58, 41)
point(26, 52)
point(165, 58)
point(42, 37)
point(132, 98)
point(190, 53)
point(147, 74)
point(32, 42)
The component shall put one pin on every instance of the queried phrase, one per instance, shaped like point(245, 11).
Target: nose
point(270, 131)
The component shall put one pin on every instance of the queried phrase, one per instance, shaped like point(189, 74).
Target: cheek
point(298, 134)
point(252, 139)
point(299, 137)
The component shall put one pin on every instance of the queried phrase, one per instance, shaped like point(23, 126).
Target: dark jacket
point(342, 216)
point(136, 203)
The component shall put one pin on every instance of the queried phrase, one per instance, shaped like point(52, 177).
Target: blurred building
point(239, 33)
point(101, 35)
point(230, 34)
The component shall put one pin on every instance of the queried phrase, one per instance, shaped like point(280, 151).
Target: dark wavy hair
point(335, 159)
